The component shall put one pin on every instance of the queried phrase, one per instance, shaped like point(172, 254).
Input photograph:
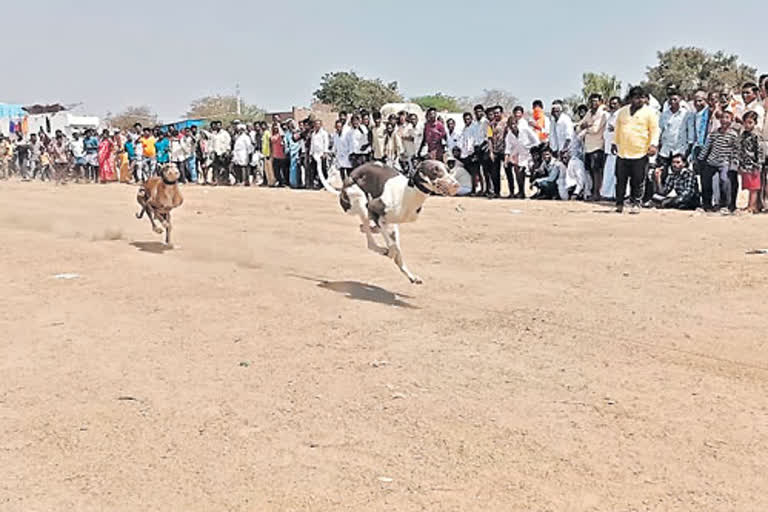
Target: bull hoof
point(158, 230)
point(138, 215)
point(416, 280)
point(372, 229)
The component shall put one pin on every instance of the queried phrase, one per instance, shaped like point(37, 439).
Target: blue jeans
point(293, 175)
point(192, 168)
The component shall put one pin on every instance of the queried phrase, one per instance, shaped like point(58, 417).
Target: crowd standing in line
point(688, 153)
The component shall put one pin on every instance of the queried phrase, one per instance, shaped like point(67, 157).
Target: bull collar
point(168, 182)
point(418, 181)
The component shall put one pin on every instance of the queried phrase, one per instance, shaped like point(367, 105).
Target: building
point(45, 118)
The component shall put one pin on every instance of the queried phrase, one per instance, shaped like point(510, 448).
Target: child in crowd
point(718, 187)
point(750, 155)
point(45, 165)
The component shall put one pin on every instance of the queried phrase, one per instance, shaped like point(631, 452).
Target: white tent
point(394, 108)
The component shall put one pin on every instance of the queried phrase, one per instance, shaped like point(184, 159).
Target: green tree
point(601, 83)
point(346, 90)
point(690, 68)
point(439, 101)
point(224, 109)
point(132, 115)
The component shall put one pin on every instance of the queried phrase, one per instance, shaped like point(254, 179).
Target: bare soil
point(557, 358)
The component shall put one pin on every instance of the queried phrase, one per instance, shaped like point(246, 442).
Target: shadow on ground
point(363, 292)
point(153, 247)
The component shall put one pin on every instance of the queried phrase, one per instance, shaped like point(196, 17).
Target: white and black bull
point(383, 198)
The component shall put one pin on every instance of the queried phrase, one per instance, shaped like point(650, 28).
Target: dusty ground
point(557, 358)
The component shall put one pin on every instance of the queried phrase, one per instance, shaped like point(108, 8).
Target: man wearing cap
point(241, 155)
point(221, 146)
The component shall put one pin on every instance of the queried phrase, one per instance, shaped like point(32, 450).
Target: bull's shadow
point(153, 247)
point(363, 292)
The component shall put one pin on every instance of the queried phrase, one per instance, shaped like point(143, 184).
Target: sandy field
point(558, 358)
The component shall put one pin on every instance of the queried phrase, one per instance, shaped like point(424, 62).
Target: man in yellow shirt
point(637, 138)
point(148, 142)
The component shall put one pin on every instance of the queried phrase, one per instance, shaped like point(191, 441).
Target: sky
point(108, 55)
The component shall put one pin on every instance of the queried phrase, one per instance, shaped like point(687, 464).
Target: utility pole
point(237, 93)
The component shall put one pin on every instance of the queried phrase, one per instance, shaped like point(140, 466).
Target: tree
point(602, 83)
point(572, 102)
point(439, 101)
point(224, 109)
point(493, 97)
point(346, 90)
point(691, 68)
point(132, 115)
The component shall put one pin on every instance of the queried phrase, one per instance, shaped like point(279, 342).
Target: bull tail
point(326, 184)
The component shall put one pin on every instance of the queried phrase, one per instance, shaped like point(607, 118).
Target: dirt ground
point(557, 358)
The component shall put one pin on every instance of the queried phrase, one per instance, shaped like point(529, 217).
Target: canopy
point(12, 111)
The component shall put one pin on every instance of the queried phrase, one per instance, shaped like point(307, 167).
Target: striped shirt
point(720, 149)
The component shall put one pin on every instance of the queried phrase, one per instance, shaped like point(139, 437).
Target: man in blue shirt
point(163, 148)
point(91, 146)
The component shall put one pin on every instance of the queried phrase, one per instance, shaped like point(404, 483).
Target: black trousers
point(473, 168)
point(488, 168)
point(548, 190)
point(630, 170)
point(593, 164)
point(677, 203)
point(498, 162)
point(510, 172)
point(282, 167)
point(220, 169)
point(241, 174)
point(706, 175)
point(182, 167)
point(733, 177)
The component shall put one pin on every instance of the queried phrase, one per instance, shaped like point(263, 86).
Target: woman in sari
point(106, 158)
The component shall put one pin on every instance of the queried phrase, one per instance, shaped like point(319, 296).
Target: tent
point(184, 123)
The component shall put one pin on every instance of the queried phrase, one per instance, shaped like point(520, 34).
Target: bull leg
point(167, 225)
point(392, 237)
point(151, 214)
point(360, 208)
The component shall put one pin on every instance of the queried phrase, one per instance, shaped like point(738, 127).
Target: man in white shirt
point(608, 189)
point(519, 141)
point(593, 133)
point(357, 142)
point(452, 136)
point(77, 150)
point(241, 155)
point(418, 133)
point(221, 147)
point(674, 135)
point(178, 158)
point(482, 159)
point(378, 133)
point(407, 133)
point(562, 130)
point(750, 93)
point(457, 169)
point(340, 149)
point(319, 147)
